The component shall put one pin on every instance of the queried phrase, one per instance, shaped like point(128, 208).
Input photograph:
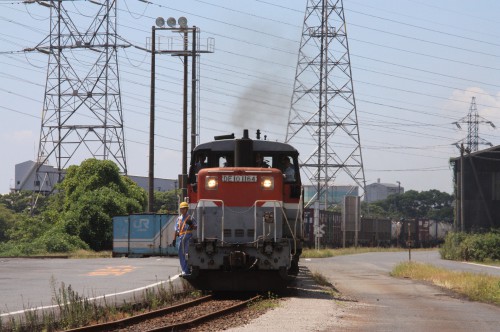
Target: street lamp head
point(171, 22)
point(160, 22)
point(182, 22)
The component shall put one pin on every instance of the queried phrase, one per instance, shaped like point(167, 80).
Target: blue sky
point(416, 64)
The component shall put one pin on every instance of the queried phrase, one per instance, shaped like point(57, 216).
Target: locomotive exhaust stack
point(243, 151)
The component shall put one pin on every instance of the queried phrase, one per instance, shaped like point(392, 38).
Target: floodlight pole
point(151, 175)
point(185, 53)
point(193, 91)
point(185, 118)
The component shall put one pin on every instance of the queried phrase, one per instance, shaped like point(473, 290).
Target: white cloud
point(20, 136)
point(487, 104)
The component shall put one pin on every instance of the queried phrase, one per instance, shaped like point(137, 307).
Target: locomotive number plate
point(239, 178)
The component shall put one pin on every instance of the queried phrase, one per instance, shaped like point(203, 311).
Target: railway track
point(175, 318)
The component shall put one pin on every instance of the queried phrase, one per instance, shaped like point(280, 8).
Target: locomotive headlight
point(211, 183)
point(267, 183)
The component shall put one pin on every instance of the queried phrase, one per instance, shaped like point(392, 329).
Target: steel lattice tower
point(82, 109)
point(473, 128)
point(323, 106)
point(472, 120)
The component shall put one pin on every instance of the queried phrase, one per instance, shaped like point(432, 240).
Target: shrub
point(474, 247)
point(57, 241)
point(451, 248)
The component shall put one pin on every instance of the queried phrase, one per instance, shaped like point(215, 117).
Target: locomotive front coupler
point(208, 245)
point(268, 246)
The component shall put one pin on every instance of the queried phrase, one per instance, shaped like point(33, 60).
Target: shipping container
point(141, 235)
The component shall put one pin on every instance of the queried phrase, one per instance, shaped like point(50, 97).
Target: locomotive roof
point(258, 145)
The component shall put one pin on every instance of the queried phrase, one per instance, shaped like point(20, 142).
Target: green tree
point(440, 205)
point(431, 204)
point(372, 211)
point(78, 215)
point(39, 235)
point(166, 201)
point(23, 201)
point(94, 192)
point(7, 221)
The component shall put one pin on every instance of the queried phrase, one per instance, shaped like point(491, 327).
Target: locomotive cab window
point(289, 168)
point(226, 160)
point(199, 161)
point(262, 160)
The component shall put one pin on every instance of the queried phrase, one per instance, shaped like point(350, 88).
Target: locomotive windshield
point(264, 154)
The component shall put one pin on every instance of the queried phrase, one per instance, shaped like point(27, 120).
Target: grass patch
point(477, 287)
point(90, 254)
point(320, 279)
point(80, 253)
point(269, 301)
point(324, 253)
point(73, 310)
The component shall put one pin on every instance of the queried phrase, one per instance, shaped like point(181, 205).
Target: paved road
point(383, 303)
point(28, 283)
point(390, 304)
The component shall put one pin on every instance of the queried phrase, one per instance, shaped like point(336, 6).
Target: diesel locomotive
point(246, 196)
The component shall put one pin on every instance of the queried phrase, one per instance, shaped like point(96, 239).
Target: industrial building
point(335, 194)
point(378, 191)
point(26, 179)
point(477, 188)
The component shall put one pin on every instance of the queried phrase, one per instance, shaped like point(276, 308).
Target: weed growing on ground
point(73, 310)
point(324, 253)
point(268, 301)
point(477, 287)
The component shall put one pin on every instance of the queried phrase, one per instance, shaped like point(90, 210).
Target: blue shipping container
point(142, 235)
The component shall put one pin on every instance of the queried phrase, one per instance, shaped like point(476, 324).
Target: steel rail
point(139, 318)
point(201, 319)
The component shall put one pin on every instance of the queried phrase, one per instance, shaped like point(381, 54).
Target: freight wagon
point(374, 232)
point(371, 232)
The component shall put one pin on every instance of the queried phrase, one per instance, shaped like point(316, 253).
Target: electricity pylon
point(323, 108)
point(473, 119)
point(82, 109)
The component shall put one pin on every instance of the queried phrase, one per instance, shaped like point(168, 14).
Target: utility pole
point(462, 191)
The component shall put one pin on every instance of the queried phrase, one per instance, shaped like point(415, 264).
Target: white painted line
point(93, 298)
point(484, 265)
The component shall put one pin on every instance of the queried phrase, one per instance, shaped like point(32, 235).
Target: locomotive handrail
point(280, 204)
point(276, 203)
point(294, 235)
point(203, 217)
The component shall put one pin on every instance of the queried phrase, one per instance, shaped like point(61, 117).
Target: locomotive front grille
point(228, 232)
point(239, 233)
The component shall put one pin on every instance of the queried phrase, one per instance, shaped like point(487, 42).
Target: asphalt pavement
point(32, 283)
point(383, 303)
